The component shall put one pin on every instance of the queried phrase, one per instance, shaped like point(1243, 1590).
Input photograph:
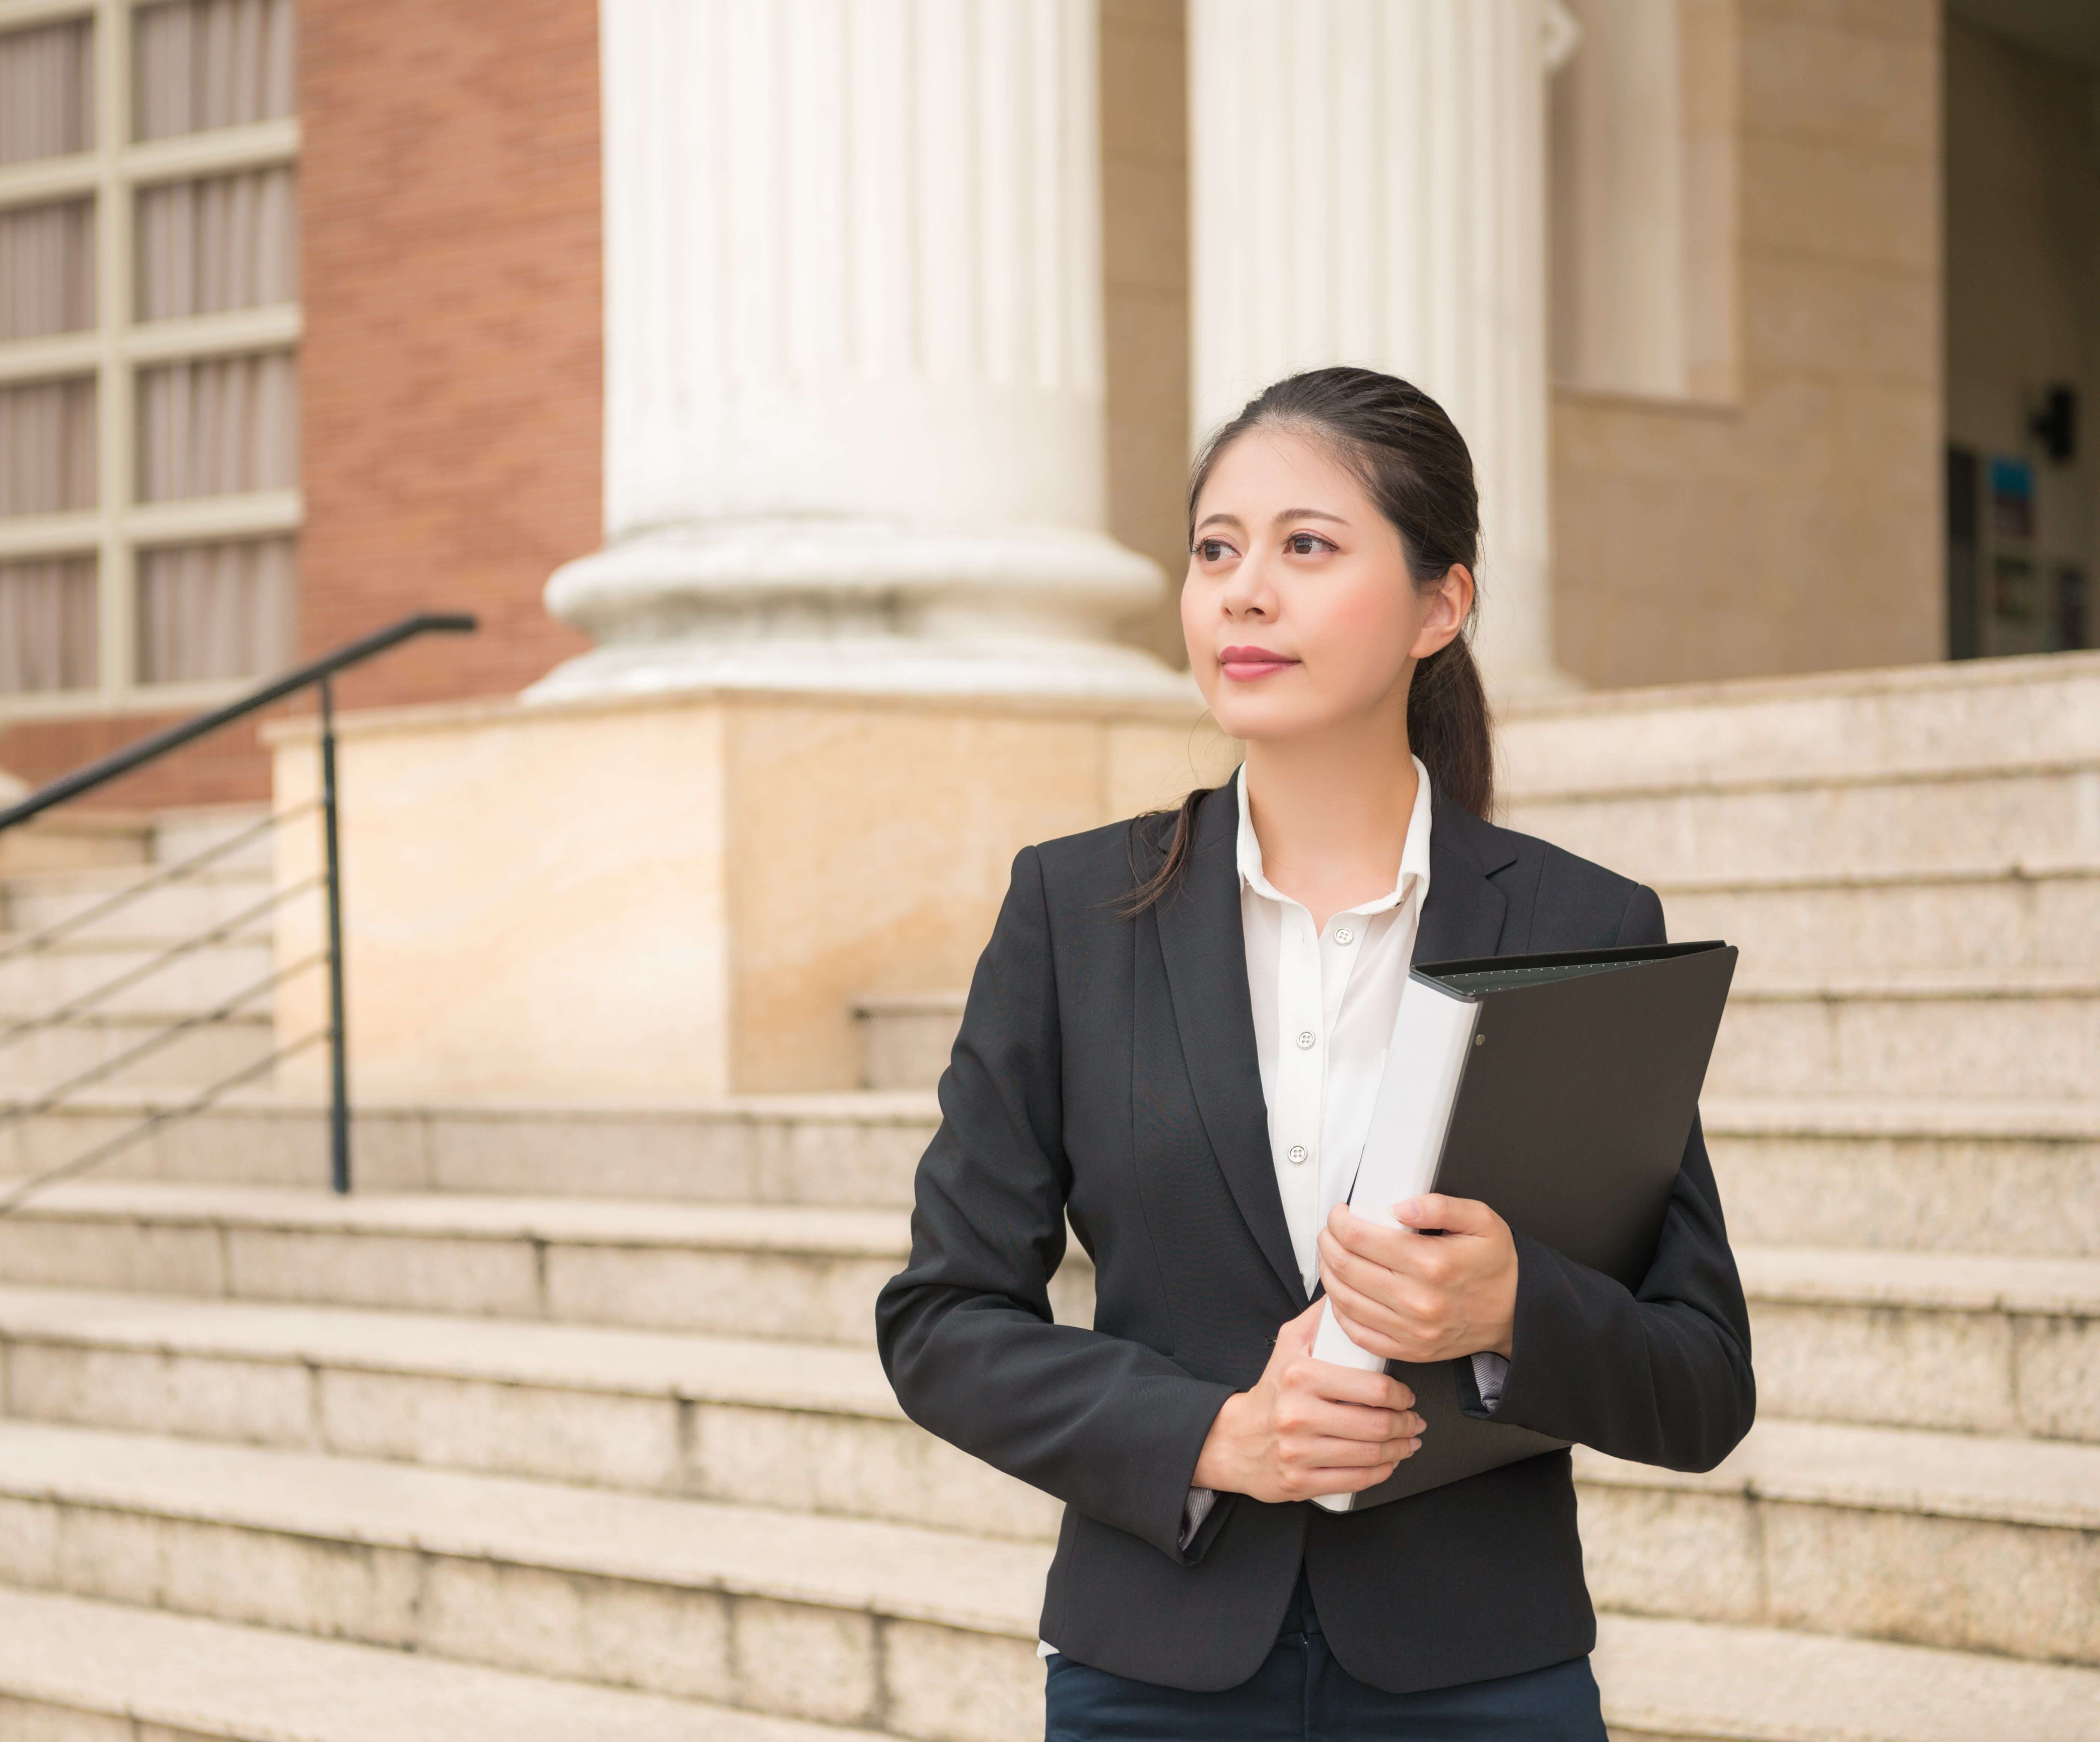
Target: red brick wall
point(451, 369)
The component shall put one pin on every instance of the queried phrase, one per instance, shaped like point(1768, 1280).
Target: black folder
point(1576, 1092)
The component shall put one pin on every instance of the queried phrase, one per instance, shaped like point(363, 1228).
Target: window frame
point(117, 348)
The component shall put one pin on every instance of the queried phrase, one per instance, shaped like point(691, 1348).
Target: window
point(149, 319)
point(1642, 150)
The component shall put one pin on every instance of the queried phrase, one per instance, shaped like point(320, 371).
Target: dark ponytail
point(1415, 466)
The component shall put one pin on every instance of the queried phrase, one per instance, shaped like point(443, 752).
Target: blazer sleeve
point(1657, 1375)
point(1110, 1426)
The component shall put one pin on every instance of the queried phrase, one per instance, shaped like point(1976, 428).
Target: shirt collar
point(1413, 876)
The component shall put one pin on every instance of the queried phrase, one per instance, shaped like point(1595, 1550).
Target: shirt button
point(1306, 1040)
point(1298, 1152)
point(1345, 936)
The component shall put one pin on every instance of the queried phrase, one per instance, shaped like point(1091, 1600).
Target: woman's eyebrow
point(1221, 519)
point(1308, 513)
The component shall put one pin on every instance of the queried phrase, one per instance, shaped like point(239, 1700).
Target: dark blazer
point(1105, 1071)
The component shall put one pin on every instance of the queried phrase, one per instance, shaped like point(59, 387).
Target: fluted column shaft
point(853, 375)
point(1368, 186)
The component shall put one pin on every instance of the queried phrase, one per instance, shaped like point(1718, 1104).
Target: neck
point(1331, 812)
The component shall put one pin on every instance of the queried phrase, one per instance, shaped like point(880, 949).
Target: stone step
point(1976, 1175)
point(905, 1040)
point(36, 1060)
point(1831, 726)
point(1804, 925)
point(2004, 1034)
point(181, 834)
point(2017, 1031)
point(808, 1274)
point(807, 1427)
point(1678, 1681)
point(201, 976)
point(1929, 1175)
point(920, 1633)
point(1994, 1346)
point(73, 1670)
point(71, 838)
point(1997, 1345)
point(837, 1149)
point(852, 1621)
point(905, 1037)
point(31, 901)
point(1957, 1541)
point(2045, 815)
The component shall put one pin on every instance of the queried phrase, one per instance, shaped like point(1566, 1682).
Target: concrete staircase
point(569, 1422)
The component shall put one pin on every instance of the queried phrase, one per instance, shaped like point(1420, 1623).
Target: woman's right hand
point(1309, 1427)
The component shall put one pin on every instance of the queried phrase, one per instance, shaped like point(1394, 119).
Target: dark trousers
point(1300, 1694)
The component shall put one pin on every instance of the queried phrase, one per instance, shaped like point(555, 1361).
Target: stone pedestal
point(1368, 186)
point(854, 430)
point(662, 899)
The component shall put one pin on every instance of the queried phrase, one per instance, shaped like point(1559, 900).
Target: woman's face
point(1298, 611)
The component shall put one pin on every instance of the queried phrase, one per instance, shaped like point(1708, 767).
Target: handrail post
point(338, 1062)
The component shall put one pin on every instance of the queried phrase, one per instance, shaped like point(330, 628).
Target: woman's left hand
point(1414, 1299)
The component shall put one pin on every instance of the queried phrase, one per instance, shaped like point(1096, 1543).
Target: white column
point(853, 377)
point(1368, 186)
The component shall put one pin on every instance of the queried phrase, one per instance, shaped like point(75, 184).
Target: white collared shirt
point(1324, 999)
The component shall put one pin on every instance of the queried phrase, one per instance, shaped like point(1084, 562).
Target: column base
point(858, 605)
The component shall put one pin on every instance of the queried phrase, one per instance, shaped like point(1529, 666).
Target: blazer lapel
point(1204, 952)
point(1462, 918)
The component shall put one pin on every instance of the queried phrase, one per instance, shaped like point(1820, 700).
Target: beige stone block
point(517, 1430)
point(2058, 1377)
point(1653, 1551)
point(365, 1268)
point(857, 1466)
point(28, 1543)
point(1830, 201)
point(803, 782)
point(269, 1578)
point(266, 1403)
point(1815, 79)
point(805, 1661)
point(1702, 830)
point(1966, 1583)
point(110, 1255)
point(1889, 1365)
point(2032, 1196)
point(2039, 1046)
point(606, 1155)
point(1145, 234)
point(597, 835)
point(818, 1298)
point(946, 1685)
point(1902, 19)
point(486, 1612)
point(202, 1055)
point(769, 857)
point(27, 1721)
point(114, 1555)
point(820, 1162)
point(569, 1625)
point(1814, 314)
point(638, 1635)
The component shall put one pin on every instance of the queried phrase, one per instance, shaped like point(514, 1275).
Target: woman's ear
point(1445, 607)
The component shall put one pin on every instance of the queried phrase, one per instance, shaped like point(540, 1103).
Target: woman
point(1173, 1038)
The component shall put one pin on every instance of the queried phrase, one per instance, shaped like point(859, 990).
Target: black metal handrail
point(316, 673)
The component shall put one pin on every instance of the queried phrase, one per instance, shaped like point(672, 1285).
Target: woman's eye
point(1211, 549)
point(1306, 545)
